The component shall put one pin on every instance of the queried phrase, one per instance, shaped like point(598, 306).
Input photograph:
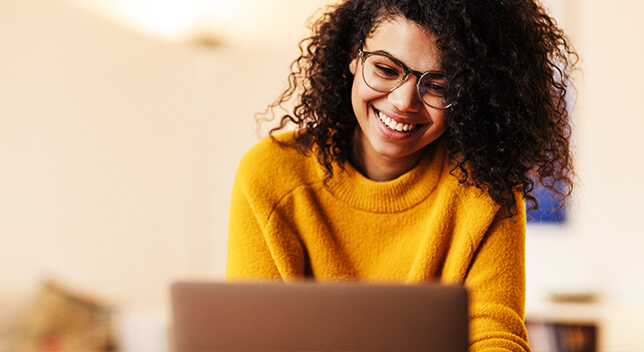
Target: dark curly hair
point(509, 66)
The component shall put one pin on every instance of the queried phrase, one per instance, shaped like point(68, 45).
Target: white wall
point(599, 250)
point(118, 152)
point(97, 152)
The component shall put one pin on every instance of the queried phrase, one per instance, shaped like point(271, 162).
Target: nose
point(405, 97)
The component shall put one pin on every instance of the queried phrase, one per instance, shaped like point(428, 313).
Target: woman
point(421, 127)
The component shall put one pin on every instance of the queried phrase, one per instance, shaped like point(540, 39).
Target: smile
point(394, 125)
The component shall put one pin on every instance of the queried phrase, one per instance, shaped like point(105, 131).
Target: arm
point(262, 241)
point(496, 280)
point(248, 254)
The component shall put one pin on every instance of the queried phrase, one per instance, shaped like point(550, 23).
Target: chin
point(394, 151)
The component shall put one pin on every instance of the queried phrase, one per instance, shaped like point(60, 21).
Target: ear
point(353, 65)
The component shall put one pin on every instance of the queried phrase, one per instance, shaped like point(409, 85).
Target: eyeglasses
point(384, 73)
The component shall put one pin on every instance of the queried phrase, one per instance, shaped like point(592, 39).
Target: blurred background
point(122, 123)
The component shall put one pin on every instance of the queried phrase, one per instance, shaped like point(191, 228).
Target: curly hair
point(509, 68)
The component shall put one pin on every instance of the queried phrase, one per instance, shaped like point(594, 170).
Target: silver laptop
point(308, 316)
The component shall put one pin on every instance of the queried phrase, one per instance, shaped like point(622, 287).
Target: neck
point(378, 167)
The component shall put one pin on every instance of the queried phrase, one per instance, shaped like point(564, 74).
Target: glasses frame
point(406, 72)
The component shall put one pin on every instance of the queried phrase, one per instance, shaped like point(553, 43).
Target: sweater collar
point(396, 195)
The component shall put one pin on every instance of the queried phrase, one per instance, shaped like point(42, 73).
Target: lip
point(395, 134)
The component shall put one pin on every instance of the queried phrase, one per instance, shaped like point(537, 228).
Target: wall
point(118, 152)
point(600, 249)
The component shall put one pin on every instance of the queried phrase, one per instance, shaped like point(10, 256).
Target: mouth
point(394, 125)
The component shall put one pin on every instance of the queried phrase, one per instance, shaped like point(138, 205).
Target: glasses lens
point(432, 90)
point(381, 73)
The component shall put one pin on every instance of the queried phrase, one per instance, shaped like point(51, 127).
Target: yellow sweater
point(286, 223)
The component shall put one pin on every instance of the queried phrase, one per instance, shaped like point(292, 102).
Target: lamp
point(237, 21)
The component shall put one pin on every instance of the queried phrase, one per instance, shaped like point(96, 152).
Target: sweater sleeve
point(260, 246)
point(496, 280)
point(248, 255)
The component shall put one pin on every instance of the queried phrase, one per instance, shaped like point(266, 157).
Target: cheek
point(357, 100)
point(440, 122)
point(354, 91)
point(361, 95)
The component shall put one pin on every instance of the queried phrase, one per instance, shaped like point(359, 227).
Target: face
point(378, 137)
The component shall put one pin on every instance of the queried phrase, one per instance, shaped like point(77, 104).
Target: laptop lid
point(308, 316)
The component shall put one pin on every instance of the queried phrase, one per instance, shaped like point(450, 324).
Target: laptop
point(310, 316)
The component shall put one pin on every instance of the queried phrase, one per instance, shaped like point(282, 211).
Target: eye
point(432, 87)
point(386, 71)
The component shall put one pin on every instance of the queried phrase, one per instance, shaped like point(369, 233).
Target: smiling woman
point(421, 125)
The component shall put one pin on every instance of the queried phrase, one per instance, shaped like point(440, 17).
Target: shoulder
point(467, 201)
point(277, 147)
point(275, 156)
point(275, 166)
point(476, 200)
point(473, 209)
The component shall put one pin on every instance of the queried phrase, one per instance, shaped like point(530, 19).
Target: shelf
point(564, 327)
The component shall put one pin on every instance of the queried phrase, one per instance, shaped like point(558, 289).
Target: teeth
point(396, 126)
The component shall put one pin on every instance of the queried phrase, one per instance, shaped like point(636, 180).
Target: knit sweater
point(287, 223)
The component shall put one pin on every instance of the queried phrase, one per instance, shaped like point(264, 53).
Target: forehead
point(408, 42)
